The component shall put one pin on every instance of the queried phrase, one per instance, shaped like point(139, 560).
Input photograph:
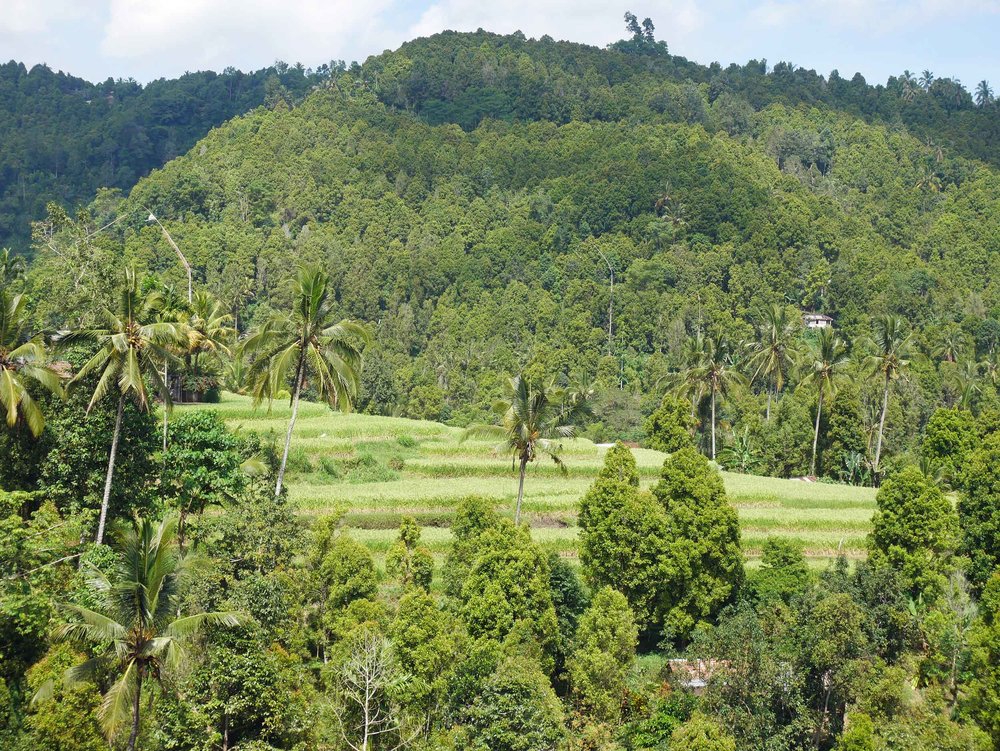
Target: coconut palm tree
point(133, 344)
point(716, 370)
point(929, 182)
point(984, 94)
point(12, 267)
point(171, 309)
point(893, 345)
point(136, 628)
point(306, 345)
point(964, 382)
point(772, 353)
point(533, 418)
point(22, 361)
point(926, 80)
point(827, 357)
point(951, 344)
point(207, 332)
point(210, 329)
point(686, 383)
point(990, 368)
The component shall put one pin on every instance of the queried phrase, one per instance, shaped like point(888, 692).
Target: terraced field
point(380, 468)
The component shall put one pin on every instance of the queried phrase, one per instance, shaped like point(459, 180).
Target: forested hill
point(462, 78)
point(62, 138)
point(477, 252)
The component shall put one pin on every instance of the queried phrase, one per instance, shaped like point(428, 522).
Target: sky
point(149, 39)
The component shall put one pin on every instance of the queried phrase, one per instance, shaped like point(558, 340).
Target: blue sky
point(147, 39)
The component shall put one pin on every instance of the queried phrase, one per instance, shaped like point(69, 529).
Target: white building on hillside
point(816, 321)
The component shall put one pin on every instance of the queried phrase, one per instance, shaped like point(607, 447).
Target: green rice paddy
point(378, 469)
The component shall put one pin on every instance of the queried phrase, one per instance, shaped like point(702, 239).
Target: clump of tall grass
point(367, 468)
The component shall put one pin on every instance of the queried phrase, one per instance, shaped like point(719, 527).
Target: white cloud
point(872, 16)
point(242, 33)
point(33, 16)
point(589, 21)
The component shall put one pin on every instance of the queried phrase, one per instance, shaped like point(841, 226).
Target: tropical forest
point(500, 393)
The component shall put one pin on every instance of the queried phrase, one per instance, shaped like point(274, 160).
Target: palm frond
point(32, 414)
point(188, 626)
point(347, 329)
point(130, 378)
point(45, 377)
point(116, 708)
point(483, 432)
point(105, 382)
point(92, 626)
point(86, 672)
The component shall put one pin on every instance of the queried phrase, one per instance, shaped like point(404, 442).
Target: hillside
point(464, 78)
point(688, 287)
point(479, 252)
point(380, 469)
point(63, 137)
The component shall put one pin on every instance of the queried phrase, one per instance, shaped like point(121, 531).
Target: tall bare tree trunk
point(182, 517)
point(611, 307)
point(881, 425)
point(819, 409)
point(713, 423)
point(769, 405)
point(166, 384)
point(520, 489)
point(291, 426)
point(111, 470)
point(134, 735)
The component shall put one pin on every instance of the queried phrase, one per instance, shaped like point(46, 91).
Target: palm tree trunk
point(520, 489)
point(166, 384)
point(111, 470)
point(134, 735)
point(611, 309)
point(819, 410)
point(291, 426)
point(769, 405)
point(881, 424)
point(713, 423)
point(180, 528)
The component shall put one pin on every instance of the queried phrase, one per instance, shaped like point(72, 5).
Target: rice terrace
point(378, 469)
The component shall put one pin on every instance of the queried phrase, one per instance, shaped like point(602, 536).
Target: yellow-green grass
point(378, 469)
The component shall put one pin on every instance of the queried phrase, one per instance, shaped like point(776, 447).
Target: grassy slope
point(377, 468)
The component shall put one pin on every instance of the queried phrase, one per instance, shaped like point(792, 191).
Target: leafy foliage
point(703, 560)
point(979, 511)
point(915, 531)
point(669, 427)
point(605, 646)
point(410, 563)
point(517, 710)
point(623, 536)
point(700, 733)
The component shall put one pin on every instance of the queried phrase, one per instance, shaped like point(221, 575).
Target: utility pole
point(611, 299)
point(184, 261)
point(187, 268)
